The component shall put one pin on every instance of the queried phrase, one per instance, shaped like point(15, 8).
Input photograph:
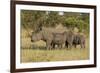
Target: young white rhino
point(73, 39)
point(59, 39)
point(79, 40)
point(69, 39)
point(65, 38)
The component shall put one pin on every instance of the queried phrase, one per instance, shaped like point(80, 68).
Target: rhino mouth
point(32, 41)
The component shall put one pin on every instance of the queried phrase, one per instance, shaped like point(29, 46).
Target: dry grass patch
point(37, 55)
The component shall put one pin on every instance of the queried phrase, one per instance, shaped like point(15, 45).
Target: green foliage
point(36, 19)
point(31, 19)
point(72, 22)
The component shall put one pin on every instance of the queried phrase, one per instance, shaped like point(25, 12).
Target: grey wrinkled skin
point(65, 38)
point(74, 40)
point(59, 39)
point(42, 35)
point(51, 38)
point(79, 40)
point(69, 39)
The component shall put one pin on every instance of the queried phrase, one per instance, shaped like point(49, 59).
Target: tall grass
point(37, 55)
point(36, 52)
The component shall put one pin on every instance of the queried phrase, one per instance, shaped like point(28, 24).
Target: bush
point(72, 22)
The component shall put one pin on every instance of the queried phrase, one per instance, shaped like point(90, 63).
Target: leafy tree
point(32, 19)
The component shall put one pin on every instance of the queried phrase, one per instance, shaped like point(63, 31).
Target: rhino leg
point(70, 45)
point(75, 45)
point(53, 45)
point(48, 45)
point(66, 44)
point(60, 46)
point(82, 45)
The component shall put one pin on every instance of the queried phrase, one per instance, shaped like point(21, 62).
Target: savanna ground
point(36, 52)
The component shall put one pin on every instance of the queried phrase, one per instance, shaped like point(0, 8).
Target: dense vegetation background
point(37, 19)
